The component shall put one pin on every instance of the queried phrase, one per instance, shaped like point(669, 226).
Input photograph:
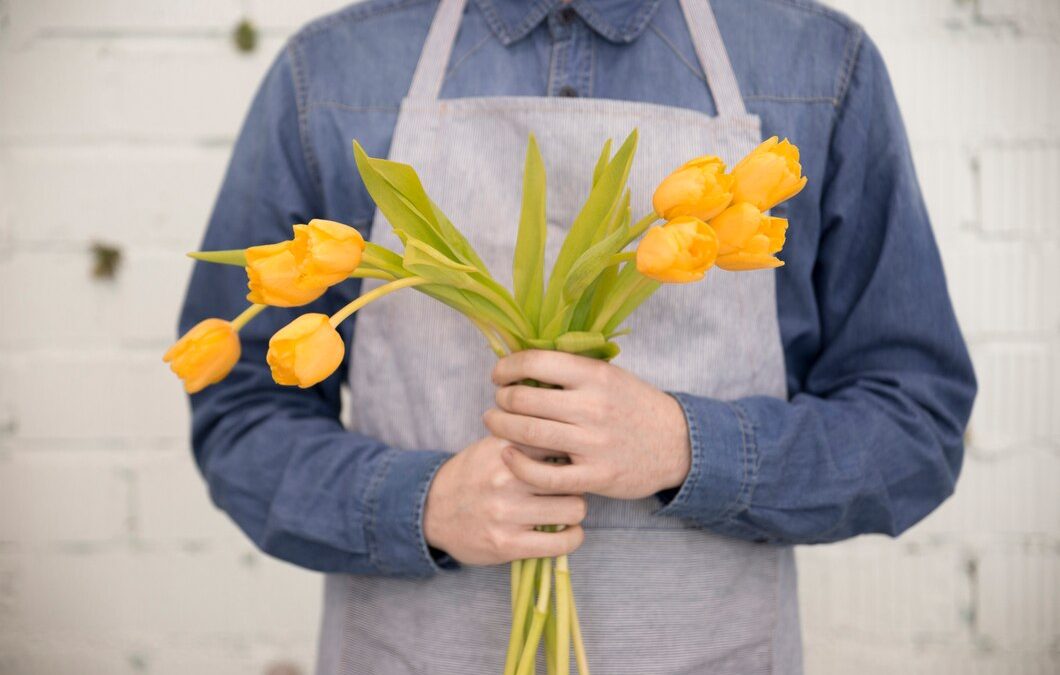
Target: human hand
point(625, 438)
point(478, 512)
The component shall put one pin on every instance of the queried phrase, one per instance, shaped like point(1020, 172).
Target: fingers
point(547, 478)
point(533, 431)
point(554, 510)
point(534, 544)
point(558, 368)
point(552, 404)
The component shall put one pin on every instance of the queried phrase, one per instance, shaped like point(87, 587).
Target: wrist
point(677, 448)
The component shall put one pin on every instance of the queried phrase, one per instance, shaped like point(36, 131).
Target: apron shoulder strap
point(713, 57)
point(702, 26)
point(434, 59)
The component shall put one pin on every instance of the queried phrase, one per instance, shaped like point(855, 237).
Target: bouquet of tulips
point(711, 218)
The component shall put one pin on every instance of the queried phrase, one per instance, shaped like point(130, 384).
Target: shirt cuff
point(396, 500)
point(723, 466)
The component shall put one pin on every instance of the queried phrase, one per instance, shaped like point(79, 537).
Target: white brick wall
point(111, 558)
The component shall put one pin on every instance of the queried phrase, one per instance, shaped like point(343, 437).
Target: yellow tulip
point(327, 252)
point(296, 272)
point(748, 238)
point(679, 252)
point(273, 277)
point(700, 189)
point(205, 354)
point(305, 352)
point(769, 175)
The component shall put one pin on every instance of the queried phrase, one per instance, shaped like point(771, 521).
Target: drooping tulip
point(305, 352)
point(700, 189)
point(296, 272)
point(273, 277)
point(205, 354)
point(327, 252)
point(769, 175)
point(679, 252)
point(748, 239)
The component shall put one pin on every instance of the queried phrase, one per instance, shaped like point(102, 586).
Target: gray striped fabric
point(656, 595)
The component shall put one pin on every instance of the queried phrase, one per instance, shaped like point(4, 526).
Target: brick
point(62, 497)
point(1019, 394)
point(157, 195)
point(84, 397)
point(903, 18)
point(1025, 17)
point(53, 300)
point(135, 88)
point(947, 182)
point(1018, 190)
point(1018, 596)
point(187, 596)
point(966, 89)
point(1006, 494)
point(1003, 288)
point(879, 591)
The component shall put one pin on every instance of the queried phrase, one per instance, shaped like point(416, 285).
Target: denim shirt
point(879, 380)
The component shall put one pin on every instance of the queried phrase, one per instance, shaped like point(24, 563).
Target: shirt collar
point(616, 20)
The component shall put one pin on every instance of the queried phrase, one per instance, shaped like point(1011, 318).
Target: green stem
point(551, 655)
point(640, 227)
point(517, 571)
point(563, 622)
point(519, 613)
point(537, 626)
point(373, 295)
point(366, 273)
point(246, 315)
point(580, 657)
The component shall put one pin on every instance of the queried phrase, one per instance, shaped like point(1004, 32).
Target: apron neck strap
point(434, 59)
point(702, 27)
point(713, 57)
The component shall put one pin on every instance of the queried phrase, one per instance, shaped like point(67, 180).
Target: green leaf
point(607, 191)
point(601, 162)
point(541, 343)
point(237, 257)
point(399, 211)
point(593, 345)
point(590, 264)
point(423, 260)
point(641, 291)
point(528, 265)
point(461, 246)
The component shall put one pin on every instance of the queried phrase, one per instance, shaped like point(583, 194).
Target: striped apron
point(656, 595)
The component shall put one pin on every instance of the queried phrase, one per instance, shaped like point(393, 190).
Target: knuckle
point(500, 479)
point(581, 508)
point(498, 511)
point(575, 538)
point(498, 540)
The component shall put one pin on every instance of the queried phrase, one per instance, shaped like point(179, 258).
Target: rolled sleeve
point(394, 527)
point(722, 471)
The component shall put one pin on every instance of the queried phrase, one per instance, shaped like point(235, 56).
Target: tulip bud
point(700, 189)
point(305, 352)
point(769, 175)
point(296, 272)
point(273, 277)
point(327, 252)
point(205, 354)
point(748, 238)
point(679, 252)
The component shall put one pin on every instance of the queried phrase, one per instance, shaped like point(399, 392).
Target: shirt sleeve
point(277, 459)
point(873, 439)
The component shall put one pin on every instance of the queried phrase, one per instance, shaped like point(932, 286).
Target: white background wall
point(116, 119)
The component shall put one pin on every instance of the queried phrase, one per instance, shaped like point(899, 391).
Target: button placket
point(571, 54)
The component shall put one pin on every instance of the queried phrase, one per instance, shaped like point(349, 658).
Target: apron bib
point(656, 595)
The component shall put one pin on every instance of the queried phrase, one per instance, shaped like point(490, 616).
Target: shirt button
point(568, 91)
point(566, 16)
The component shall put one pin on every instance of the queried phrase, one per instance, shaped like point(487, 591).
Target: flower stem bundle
point(711, 218)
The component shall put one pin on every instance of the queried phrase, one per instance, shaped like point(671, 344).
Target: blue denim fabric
point(879, 379)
